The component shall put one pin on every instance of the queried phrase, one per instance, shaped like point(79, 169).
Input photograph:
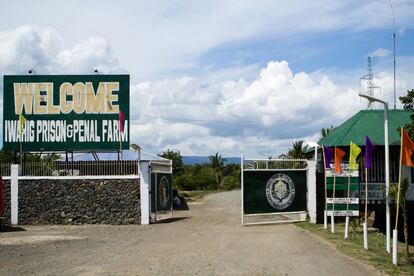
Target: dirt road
point(207, 240)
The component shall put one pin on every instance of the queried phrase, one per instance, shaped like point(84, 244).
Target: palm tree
point(393, 192)
point(298, 151)
point(325, 131)
point(217, 163)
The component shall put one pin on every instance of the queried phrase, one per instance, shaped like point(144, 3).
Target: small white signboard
point(345, 172)
point(344, 213)
point(342, 200)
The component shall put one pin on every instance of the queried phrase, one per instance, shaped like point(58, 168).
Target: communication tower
point(370, 85)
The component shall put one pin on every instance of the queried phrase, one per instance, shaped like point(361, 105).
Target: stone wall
point(80, 201)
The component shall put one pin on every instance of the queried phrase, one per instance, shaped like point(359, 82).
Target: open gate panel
point(161, 190)
point(273, 191)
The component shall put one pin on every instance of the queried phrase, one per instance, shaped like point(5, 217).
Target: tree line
point(215, 175)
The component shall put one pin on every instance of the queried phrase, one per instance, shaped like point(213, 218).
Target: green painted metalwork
point(161, 192)
point(343, 207)
point(343, 187)
point(255, 185)
point(341, 191)
point(342, 180)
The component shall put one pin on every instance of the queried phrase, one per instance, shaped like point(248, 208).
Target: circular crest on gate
point(164, 191)
point(280, 191)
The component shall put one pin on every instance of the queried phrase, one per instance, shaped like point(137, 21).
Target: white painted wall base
point(145, 192)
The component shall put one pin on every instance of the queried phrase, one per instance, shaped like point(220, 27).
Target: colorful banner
point(65, 112)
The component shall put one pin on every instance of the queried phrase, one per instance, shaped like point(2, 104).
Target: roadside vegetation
point(353, 247)
point(8, 157)
point(196, 195)
point(212, 176)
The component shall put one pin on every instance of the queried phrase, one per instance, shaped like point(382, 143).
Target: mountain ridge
point(193, 160)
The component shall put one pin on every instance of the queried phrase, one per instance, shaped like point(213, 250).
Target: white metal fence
point(274, 218)
point(274, 164)
point(75, 168)
point(5, 169)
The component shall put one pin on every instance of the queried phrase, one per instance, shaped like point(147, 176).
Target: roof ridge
point(367, 122)
point(359, 114)
point(353, 120)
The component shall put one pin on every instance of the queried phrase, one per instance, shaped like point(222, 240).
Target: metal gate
point(161, 190)
point(273, 190)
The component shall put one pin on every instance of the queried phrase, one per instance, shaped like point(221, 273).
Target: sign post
point(343, 204)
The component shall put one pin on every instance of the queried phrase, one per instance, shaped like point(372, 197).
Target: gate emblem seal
point(280, 191)
point(164, 191)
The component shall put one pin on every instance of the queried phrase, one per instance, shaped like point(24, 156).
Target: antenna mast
point(393, 37)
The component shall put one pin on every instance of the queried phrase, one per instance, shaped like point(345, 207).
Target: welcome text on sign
point(37, 98)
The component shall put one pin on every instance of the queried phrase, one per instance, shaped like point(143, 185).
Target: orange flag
point(339, 154)
point(407, 147)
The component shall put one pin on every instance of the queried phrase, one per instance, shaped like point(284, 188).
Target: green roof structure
point(368, 123)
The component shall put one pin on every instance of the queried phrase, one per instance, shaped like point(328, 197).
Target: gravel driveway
point(207, 240)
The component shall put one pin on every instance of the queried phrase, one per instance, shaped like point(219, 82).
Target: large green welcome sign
point(66, 112)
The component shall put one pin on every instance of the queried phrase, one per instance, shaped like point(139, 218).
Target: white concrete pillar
point(14, 193)
point(311, 185)
point(365, 228)
point(346, 227)
point(145, 192)
point(395, 247)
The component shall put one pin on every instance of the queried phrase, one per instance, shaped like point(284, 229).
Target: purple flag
point(369, 149)
point(328, 154)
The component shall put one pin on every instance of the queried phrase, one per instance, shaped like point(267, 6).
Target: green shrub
point(203, 177)
point(185, 182)
point(230, 183)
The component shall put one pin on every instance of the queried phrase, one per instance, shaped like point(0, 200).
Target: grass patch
point(353, 247)
point(196, 195)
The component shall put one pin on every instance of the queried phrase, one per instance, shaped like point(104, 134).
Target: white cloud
point(238, 116)
point(27, 47)
point(206, 115)
point(154, 38)
point(32, 47)
point(385, 80)
point(264, 115)
point(93, 53)
point(380, 52)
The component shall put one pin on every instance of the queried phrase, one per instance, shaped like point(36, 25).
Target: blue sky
point(343, 50)
point(219, 76)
